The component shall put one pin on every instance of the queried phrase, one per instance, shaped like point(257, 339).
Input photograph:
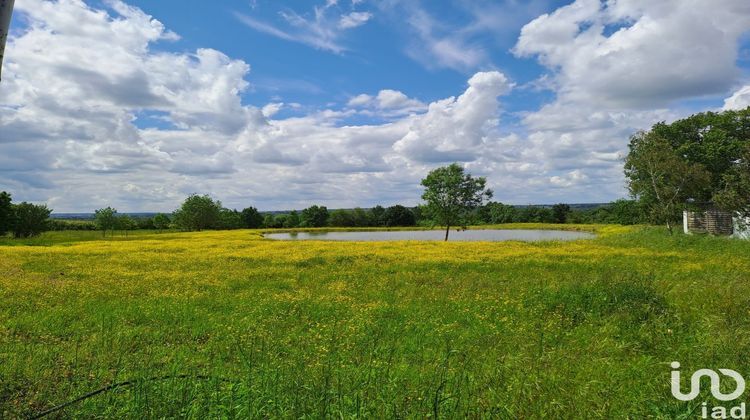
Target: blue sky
point(347, 103)
point(373, 56)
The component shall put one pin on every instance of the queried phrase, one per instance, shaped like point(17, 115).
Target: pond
point(435, 235)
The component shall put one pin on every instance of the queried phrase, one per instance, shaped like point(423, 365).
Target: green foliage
point(451, 194)
point(269, 221)
point(661, 179)
point(625, 212)
point(361, 217)
point(29, 219)
point(230, 219)
point(560, 213)
point(292, 219)
point(399, 216)
point(377, 216)
point(105, 219)
point(314, 216)
point(713, 140)
point(534, 214)
point(126, 223)
point(342, 218)
point(497, 213)
point(702, 158)
point(198, 212)
point(251, 218)
point(622, 212)
point(144, 223)
point(6, 213)
point(280, 220)
point(735, 193)
point(61, 225)
point(161, 221)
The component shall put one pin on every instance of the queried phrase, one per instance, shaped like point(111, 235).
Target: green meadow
point(226, 324)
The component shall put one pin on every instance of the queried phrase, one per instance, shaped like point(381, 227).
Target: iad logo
point(695, 384)
point(718, 412)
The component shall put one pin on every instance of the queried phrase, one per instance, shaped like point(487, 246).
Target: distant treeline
point(202, 212)
point(625, 212)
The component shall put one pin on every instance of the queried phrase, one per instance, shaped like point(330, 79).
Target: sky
point(284, 104)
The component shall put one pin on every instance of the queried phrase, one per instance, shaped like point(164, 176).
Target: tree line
point(200, 212)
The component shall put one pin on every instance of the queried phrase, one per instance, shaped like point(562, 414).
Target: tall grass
point(235, 326)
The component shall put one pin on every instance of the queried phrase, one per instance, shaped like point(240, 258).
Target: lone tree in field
point(451, 194)
point(198, 212)
point(105, 219)
point(661, 179)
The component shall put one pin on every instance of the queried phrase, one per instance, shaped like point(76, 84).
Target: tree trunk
point(447, 229)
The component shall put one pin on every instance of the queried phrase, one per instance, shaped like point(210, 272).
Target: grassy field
point(227, 324)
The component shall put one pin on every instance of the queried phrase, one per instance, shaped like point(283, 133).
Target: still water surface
point(436, 235)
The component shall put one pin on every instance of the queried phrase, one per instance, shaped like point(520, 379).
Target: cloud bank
point(94, 113)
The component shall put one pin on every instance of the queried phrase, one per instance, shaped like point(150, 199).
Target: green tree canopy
point(661, 179)
point(198, 212)
point(361, 217)
point(126, 223)
point(230, 219)
point(497, 213)
point(269, 221)
point(735, 193)
point(399, 215)
point(451, 194)
point(714, 140)
point(105, 219)
point(314, 216)
point(342, 218)
point(251, 218)
point(292, 219)
point(560, 212)
point(377, 216)
point(161, 221)
point(6, 213)
point(29, 219)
